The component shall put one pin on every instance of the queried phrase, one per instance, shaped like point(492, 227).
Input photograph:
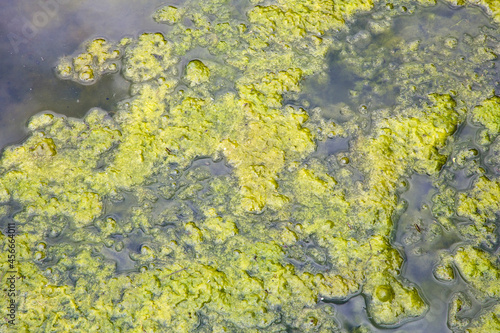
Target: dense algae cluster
point(129, 222)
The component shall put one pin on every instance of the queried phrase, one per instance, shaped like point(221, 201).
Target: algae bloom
point(216, 197)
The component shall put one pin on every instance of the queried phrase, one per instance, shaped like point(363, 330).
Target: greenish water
point(361, 84)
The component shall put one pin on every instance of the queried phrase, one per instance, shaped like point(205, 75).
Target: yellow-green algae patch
point(148, 57)
point(475, 261)
point(489, 321)
point(458, 302)
point(488, 114)
point(480, 269)
point(197, 72)
point(100, 58)
point(167, 14)
point(225, 265)
point(481, 205)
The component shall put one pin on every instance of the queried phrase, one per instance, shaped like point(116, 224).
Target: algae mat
point(276, 166)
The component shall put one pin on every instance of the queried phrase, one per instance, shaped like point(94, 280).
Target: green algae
point(487, 322)
point(168, 15)
point(458, 303)
point(479, 268)
point(197, 72)
point(480, 205)
point(88, 67)
point(487, 114)
point(236, 261)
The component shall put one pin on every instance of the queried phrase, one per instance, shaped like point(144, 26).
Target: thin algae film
point(278, 166)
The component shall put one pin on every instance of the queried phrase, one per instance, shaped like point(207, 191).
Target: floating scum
point(223, 252)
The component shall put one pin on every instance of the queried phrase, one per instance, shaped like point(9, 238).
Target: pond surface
point(381, 65)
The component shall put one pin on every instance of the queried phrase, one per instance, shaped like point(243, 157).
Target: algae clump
point(197, 72)
point(488, 114)
point(100, 58)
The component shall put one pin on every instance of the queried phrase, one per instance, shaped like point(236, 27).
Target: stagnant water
point(29, 85)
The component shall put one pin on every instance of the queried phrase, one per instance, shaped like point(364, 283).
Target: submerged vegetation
point(130, 221)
